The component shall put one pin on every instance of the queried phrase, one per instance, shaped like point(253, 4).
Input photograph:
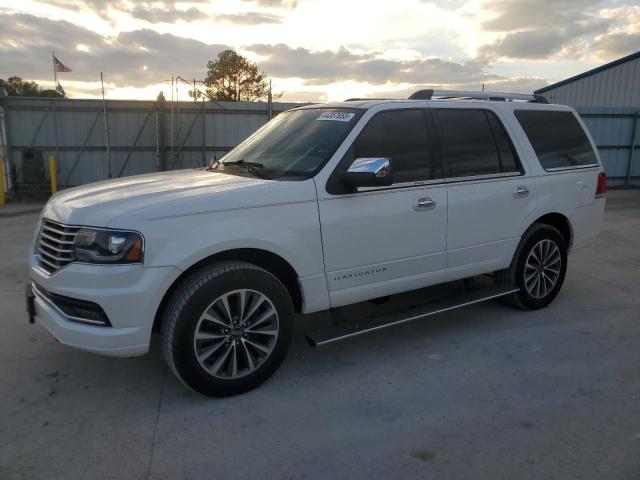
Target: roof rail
point(430, 93)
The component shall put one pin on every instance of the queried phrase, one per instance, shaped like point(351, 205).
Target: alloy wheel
point(236, 334)
point(542, 268)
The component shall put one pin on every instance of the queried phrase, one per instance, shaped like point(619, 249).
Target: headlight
point(108, 246)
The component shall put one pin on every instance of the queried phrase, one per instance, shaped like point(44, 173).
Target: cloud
point(624, 38)
point(617, 44)
point(532, 44)
point(27, 40)
point(171, 14)
point(446, 4)
point(145, 57)
point(163, 12)
point(542, 28)
point(320, 67)
point(542, 43)
point(496, 84)
point(290, 4)
point(248, 18)
point(517, 84)
point(165, 15)
point(100, 7)
point(510, 15)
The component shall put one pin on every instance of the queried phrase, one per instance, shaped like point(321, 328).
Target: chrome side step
point(344, 331)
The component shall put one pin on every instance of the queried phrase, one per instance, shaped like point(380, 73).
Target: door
point(383, 240)
point(488, 193)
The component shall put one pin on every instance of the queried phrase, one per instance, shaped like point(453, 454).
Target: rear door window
point(557, 138)
point(475, 143)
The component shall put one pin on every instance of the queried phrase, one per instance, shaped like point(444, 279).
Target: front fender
point(291, 231)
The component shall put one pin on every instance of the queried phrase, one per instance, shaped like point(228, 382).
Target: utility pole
point(177, 129)
point(173, 106)
point(195, 93)
point(161, 140)
point(270, 101)
point(106, 127)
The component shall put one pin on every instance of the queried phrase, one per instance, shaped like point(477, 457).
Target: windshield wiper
point(243, 163)
point(251, 167)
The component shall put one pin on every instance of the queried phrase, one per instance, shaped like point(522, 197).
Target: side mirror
point(369, 172)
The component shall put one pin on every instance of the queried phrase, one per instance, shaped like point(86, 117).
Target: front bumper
point(128, 294)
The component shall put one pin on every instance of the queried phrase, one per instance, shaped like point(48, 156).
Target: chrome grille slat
point(48, 255)
point(55, 249)
point(59, 232)
point(55, 258)
point(54, 244)
point(51, 265)
point(67, 242)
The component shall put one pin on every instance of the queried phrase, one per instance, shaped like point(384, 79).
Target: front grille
point(55, 243)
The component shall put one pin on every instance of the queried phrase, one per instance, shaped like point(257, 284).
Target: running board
point(344, 331)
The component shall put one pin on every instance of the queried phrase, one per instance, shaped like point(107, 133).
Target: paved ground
point(483, 393)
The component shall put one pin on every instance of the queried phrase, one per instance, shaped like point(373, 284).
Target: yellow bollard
point(53, 174)
point(3, 197)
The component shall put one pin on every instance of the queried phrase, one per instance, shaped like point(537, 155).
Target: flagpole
point(53, 104)
point(55, 75)
point(106, 127)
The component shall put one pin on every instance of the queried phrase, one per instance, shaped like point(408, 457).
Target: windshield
point(294, 145)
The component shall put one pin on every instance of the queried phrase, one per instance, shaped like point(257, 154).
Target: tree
point(15, 86)
point(234, 78)
point(50, 93)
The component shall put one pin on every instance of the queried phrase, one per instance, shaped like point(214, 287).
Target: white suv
point(322, 207)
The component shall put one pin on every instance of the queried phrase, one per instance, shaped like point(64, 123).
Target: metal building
point(615, 84)
point(608, 100)
point(143, 136)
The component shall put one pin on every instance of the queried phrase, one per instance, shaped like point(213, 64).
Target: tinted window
point(294, 145)
point(557, 138)
point(402, 136)
point(508, 162)
point(475, 142)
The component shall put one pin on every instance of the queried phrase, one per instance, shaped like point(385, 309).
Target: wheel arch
point(560, 222)
point(271, 262)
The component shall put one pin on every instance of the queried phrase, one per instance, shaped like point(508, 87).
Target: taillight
point(601, 187)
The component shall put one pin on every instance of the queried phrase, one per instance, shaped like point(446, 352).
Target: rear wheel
point(227, 329)
point(538, 267)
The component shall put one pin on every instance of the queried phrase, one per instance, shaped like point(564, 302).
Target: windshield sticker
point(336, 116)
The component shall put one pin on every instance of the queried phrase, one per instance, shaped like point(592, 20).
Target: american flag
point(59, 66)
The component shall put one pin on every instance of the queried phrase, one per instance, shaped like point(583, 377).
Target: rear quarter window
point(557, 138)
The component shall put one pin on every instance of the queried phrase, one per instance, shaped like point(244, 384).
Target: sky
point(315, 50)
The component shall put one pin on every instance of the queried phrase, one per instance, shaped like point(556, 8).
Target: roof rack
point(429, 94)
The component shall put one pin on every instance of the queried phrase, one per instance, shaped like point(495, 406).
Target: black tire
point(193, 299)
point(515, 274)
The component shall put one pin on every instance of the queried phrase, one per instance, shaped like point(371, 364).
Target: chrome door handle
point(424, 203)
point(521, 191)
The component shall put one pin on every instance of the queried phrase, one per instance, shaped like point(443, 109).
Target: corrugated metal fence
point(147, 136)
point(144, 136)
point(616, 133)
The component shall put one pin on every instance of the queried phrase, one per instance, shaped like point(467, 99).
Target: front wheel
point(227, 328)
point(538, 268)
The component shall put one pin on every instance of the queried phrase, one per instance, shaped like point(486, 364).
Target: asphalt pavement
point(486, 392)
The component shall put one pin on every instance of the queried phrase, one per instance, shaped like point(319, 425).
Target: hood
point(174, 193)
